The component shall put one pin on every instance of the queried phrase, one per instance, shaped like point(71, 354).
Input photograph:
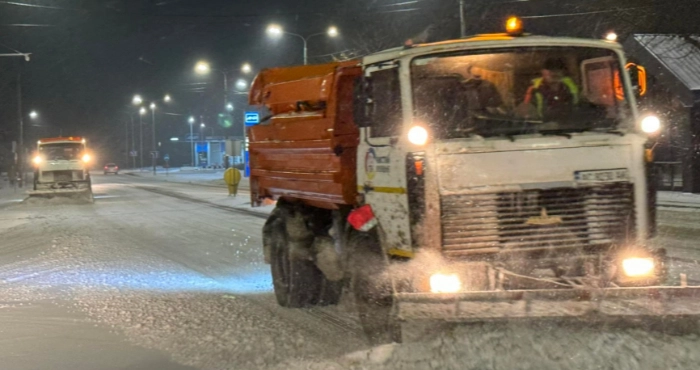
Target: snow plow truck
point(61, 168)
point(439, 182)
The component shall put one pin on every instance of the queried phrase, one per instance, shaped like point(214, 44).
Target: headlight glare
point(638, 267)
point(651, 124)
point(445, 283)
point(418, 135)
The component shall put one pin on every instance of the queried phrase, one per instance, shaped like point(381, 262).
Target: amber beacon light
point(514, 26)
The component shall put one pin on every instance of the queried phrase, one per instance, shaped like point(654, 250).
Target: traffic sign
point(252, 118)
point(166, 157)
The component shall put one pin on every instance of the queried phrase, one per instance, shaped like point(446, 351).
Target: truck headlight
point(37, 159)
point(86, 158)
point(651, 124)
point(445, 283)
point(418, 135)
point(637, 267)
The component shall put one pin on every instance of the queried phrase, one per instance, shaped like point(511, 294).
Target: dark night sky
point(90, 56)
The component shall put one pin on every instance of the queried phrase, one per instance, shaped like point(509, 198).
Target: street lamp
point(33, 114)
point(137, 100)
point(333, 31)
point(275, 30)
point(241, 84)
point(246, 68)
point(202, 67)
point(167, 98)
point(229, 107)
point(191, 121)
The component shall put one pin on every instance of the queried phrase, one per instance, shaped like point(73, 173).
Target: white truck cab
point(61, 165)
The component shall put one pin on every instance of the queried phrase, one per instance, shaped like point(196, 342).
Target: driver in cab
point(553, 95)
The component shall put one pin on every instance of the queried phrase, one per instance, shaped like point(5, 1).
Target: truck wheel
point(372, 290)
point(297, 283)
point(331, 291)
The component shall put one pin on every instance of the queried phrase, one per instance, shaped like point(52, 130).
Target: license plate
point(619, 174)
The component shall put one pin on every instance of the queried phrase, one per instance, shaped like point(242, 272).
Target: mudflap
point(659, 301)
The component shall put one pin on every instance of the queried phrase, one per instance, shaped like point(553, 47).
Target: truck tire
point(372, 290)
point(297, 283)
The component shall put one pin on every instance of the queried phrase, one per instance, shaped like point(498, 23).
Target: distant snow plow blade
point(82, 194)
point(550, 303)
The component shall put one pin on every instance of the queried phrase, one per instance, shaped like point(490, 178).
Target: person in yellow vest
point(554, 95)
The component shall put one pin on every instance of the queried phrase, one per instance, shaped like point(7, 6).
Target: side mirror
point(638, 77)
point(362, 102)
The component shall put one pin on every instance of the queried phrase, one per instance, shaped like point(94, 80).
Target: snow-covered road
point(180, 277)
point(170, 275)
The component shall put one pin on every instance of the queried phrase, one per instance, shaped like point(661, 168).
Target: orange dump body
point(307, 150)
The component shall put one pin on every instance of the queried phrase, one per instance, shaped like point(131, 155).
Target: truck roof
point(486, 41)
point(70, 139)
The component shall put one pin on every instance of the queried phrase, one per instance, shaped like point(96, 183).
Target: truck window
point(517, 91)
point(62, 151)
point(385, 94)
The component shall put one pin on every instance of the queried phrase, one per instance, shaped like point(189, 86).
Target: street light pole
point(306, 52)
point(20, 155)
point(462, 21)
point(133, 144)
point(141, 140)
point(126, 140)
point(153, 137)
point(191, 121)
point(225, 87)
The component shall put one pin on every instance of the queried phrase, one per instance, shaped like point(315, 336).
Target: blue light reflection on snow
point(240, 283)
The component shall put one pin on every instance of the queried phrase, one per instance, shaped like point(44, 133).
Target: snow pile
point(538, 347)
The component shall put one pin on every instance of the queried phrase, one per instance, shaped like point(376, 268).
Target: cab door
point(381, 167)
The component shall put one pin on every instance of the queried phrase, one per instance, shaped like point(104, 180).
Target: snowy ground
point(169, 275)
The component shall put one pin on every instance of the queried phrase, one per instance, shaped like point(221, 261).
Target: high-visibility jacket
point(539, 98)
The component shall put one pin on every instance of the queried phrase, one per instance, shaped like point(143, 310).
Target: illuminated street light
point(142, 111)
point(241, 84)
point(191, 119)
point(275, 30)
point(246, 68)
point(202, 125)
point(202, 67)
point(167, 98)
point(611, 36)
point(333, 31)
point(33, 114)
point(137, 100)
point(153, 106)
point(229, 107)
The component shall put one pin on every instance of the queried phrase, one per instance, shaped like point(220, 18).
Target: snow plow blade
point(82, 193)
point(550, 303)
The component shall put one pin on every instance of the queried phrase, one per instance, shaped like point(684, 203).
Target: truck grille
point(537, 219)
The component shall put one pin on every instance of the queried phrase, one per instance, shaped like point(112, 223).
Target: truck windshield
point(61, 151)
point(519, 91)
